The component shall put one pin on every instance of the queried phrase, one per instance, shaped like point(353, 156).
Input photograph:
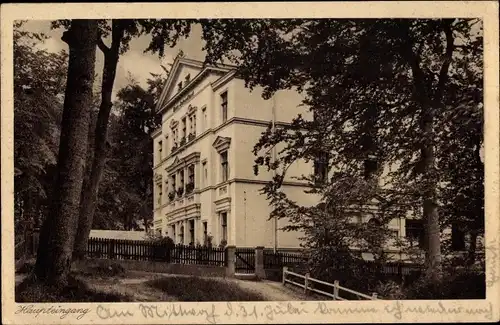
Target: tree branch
point(102, 46)
point(443, 73)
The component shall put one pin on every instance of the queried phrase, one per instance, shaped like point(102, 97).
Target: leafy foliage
point(39, 81)
point(406, 92)
point(126, 199)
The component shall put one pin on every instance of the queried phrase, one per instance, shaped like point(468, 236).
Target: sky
point(134, 63)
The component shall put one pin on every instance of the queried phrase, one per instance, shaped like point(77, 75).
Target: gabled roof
point(176, 66)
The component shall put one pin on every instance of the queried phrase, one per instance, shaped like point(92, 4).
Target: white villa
point(204, 184)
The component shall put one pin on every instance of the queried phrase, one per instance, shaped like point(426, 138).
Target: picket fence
point(119, 249)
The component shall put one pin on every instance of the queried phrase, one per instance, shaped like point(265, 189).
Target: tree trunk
point(430, 210)
point(428, 103)
point(471, 254)
point(90, 192)
point(58, 230)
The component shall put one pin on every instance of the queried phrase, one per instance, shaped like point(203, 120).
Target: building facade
point(204, 183)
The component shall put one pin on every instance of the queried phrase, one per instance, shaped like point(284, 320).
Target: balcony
point(183, 201)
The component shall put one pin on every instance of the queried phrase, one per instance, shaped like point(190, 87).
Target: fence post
point(285, 269)
point(335, 289)
point(374, 296)
point(306, 283)
point(260, 272)
point(111, 249)
point(231, 261)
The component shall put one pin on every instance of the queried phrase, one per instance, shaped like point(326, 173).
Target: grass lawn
point(77, 290)
point(203, 289)
point(111, 283)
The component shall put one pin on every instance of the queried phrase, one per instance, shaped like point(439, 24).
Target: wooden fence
point(308, 284)
point(276, 260)
point(152, 251)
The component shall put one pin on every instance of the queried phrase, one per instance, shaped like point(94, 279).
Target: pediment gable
point(183, 75)
point(192, 158)
point(181, 68)
point(175, 163)
point(221, 143)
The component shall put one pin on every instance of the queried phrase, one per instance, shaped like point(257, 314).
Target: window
point(181, 177)
point(193, 125)
point(171, 195)
point(191, 174)
point(173, 233)
point(457, 238)
point(321, 167)
point(184, 127)
point(190, 124)
point(179, 86)
point(223, 218)
point(415, 232)
point(224, 166)
point(191, 232)
point(175, 136)
point(181, 235)
point(159, 194)
point(160, 148)
point(188, 78)
point(204, 121)
point(166, 143)
point(372, 236)
point(190, 183)
point(223, 99)
point(370, 166)
point(158, 232)
point(205, 174)
point(205, 232)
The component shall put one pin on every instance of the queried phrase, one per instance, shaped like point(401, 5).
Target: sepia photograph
point(236, 160)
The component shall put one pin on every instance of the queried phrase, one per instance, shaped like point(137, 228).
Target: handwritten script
point(58, 310)
point(215, 314)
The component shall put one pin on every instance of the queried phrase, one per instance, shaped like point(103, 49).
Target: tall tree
point(164, 33)
point(386, 81)
point(59, 228)
point(89, 194)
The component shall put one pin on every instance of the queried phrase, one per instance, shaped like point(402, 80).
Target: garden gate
point(245, 260)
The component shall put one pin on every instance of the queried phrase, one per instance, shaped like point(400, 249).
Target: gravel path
point(273, 291)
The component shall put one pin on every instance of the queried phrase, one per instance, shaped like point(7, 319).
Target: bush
point(390, 290)
point(457, 285)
